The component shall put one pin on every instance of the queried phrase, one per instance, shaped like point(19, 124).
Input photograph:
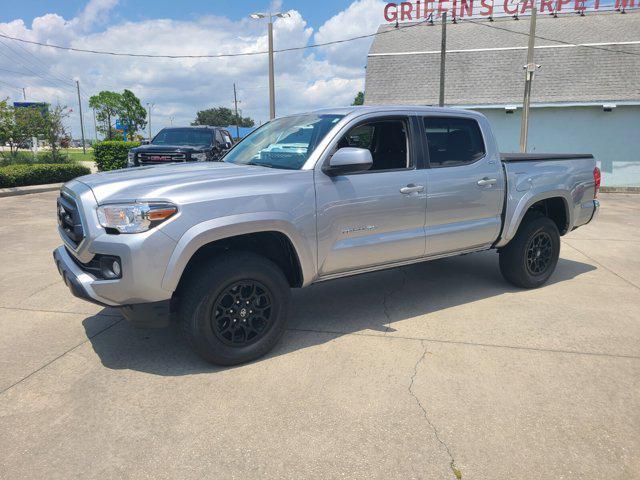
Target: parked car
point(182, 144)
point(219, 245)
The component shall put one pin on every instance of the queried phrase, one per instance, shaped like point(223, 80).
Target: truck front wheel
point(234, 308)
point(530, 258)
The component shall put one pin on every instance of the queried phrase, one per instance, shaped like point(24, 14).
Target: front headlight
point(200, 157)
point(131, 159)
point(135, 217)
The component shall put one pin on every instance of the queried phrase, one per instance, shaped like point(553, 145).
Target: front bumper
point(79, 282)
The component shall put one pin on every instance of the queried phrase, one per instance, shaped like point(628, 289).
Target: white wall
point(613, 137)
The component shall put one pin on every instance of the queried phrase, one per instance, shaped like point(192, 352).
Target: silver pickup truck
point(219, 245)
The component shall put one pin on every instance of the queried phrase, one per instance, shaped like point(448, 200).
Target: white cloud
point(360, 18)
point(305, 80)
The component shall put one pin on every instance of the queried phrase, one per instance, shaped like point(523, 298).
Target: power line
point(540, 37)
point(7, 85)
point(44, 65)
point(221, 55)
point(38, 74)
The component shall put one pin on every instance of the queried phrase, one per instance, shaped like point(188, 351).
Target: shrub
point(112, 154)
point(39, 174)
point(27, 158)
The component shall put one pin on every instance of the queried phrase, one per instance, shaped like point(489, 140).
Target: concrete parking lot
point(438, 370)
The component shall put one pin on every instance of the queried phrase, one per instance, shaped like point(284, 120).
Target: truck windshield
point(283, 143)
point(183, 136)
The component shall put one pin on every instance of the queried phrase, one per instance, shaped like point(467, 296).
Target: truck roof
point(361, 109)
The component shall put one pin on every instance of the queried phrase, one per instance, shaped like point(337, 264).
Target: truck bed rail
point(539, 157)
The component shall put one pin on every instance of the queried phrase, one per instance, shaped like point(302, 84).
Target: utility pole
point(443, 53)
point(84, 147)
point(530, 69)
point(95, 128)
point(235, 102)
point(24, 94)
point(149, 105)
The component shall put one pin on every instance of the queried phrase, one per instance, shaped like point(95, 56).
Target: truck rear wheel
point(531, 256)
point(234, 309)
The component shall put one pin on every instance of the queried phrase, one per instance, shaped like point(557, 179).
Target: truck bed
point(534, 176)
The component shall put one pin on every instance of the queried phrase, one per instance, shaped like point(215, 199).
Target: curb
point(620, 189)
point(14, 191)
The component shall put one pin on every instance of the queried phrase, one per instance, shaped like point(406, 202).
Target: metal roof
point(485, 61)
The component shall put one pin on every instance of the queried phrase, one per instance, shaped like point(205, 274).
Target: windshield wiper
point(260, 165)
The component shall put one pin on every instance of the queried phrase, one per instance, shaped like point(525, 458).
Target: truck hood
point(160, 182)
point(169, 148)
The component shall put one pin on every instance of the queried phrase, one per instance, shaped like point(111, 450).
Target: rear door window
point(453, 141)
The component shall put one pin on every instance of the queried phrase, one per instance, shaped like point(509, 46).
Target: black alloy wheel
point(241, 315)
point(539, 253)
point(531, 256)
point(233, 307)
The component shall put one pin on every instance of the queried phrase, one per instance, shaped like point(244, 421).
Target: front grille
point(69, 219)
point(159, 158)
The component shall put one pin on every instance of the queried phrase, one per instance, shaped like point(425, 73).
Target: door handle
point(411, 188)
point(487, 181)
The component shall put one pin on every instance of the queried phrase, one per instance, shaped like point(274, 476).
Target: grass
point(76, 154)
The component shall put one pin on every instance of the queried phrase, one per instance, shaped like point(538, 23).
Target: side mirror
point(349, 160)
point(228, 145)
point(145, 142)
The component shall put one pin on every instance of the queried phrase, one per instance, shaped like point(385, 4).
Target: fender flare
point(233, 225)
point(513, 220)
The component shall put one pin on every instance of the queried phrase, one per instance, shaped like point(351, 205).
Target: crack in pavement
point(98, 314)
point(42, 289)
point(469, 344)
point(603, 266)
point(42, 367)
point(452, 464)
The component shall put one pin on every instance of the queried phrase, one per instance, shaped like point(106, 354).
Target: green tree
point(19, 125)
point(131, 113)
point(54, 130)
point(221, 117)
point(106, 105)
point(124, 106)
point(359, 99)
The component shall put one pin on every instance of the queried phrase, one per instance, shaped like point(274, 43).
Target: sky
point(178, 88)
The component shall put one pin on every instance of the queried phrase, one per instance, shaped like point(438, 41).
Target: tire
point(530, 258)
point(211, 293)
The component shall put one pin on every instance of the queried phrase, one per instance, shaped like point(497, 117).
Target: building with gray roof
point(585, 96)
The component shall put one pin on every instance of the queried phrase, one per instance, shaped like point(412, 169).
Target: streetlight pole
point(272, 88)
point(149, 105)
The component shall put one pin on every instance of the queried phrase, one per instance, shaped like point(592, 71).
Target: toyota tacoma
point(308, 198)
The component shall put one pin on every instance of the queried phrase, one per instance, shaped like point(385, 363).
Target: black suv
point(182, 144)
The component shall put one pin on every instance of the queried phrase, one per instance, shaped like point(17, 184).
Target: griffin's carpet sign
point(422, 9)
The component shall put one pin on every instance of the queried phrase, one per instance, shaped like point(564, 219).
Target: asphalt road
point(429, 371)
